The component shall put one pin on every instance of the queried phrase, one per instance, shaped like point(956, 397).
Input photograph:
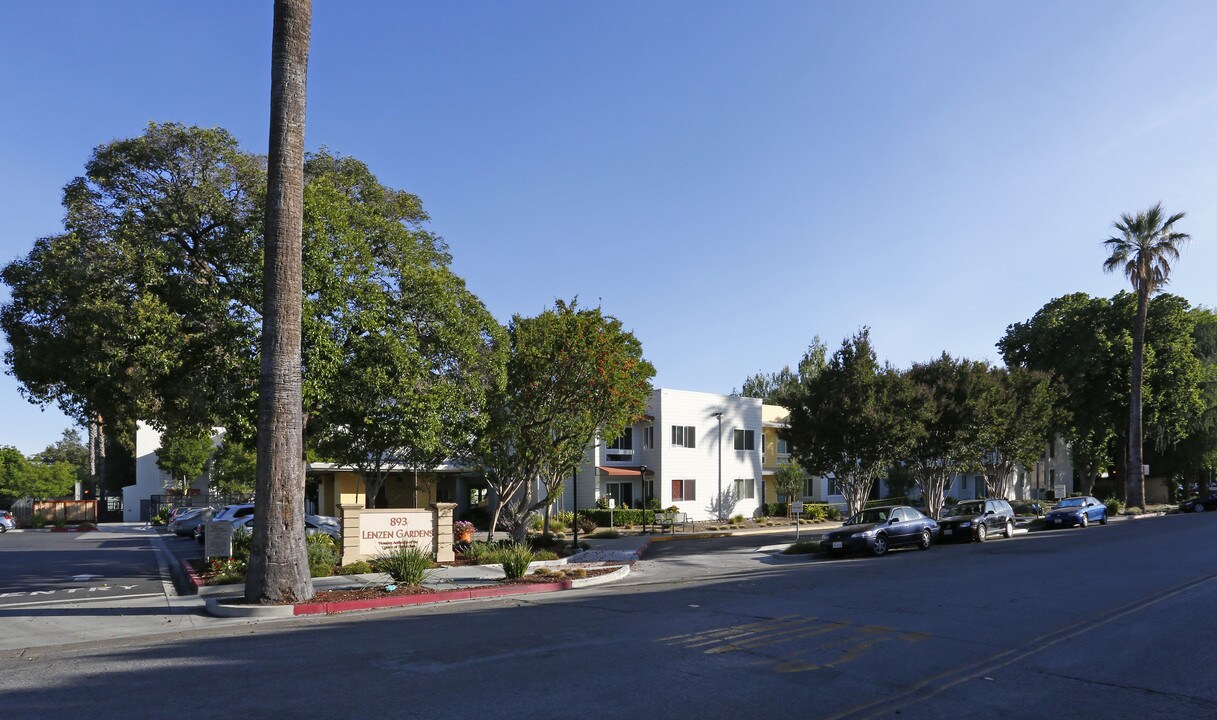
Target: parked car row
point(877, 530)
point(242, 518)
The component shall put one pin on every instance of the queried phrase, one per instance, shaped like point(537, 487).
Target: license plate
point(838, 545)
point(948, 532)
point(1058, 522)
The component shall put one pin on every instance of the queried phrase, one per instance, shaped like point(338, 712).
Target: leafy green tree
point(1015, 422)
point(788, 481)
point(68, 449)
point(572, 374)
point(1143, 250)
point(22, 478)
point(413, 390)
point(184, 454)
point(851, 419)
point(774, 387)
point(234, 468)
point(1084, 344)
point(949, 410)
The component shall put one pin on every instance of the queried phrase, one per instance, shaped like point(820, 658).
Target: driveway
point(42, 568)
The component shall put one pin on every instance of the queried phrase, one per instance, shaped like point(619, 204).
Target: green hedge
point(620, 517)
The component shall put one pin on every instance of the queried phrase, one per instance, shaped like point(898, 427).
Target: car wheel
point(1085, 520)
point(926, 540)
point(982, 532)
point(3, 529)
point(1009, 528)
point(880, 545)
point(1198, 507)
point(1103, 519)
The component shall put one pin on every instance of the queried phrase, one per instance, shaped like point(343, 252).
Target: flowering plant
point(461, 527)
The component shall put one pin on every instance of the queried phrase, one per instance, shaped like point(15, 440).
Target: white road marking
point(4, 606)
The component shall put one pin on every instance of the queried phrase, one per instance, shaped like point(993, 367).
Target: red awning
point(622, 470)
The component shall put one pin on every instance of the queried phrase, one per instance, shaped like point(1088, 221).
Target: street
point(1069, 623)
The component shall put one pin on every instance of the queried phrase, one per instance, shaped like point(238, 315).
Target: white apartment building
point(699, 452)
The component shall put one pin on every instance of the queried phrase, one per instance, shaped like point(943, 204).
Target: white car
point(311, 526)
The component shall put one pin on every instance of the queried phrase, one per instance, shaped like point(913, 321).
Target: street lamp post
point(719, 415)
point(642, 490)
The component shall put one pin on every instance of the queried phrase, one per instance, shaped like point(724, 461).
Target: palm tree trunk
point(278, 568)
point(1136, 480)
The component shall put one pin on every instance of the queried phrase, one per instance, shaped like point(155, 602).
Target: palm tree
point(278, 568)
point(1144, 249)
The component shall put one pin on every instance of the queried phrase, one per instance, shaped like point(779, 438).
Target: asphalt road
point(45, 568)
point(1072, 623)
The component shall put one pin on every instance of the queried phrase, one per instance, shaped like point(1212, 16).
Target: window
point(744, 440)
point(783, 446)
point(832, 486)
point(809, 487)
point(684, 436)
point(622, 448)
point(648, 490)
point(684, 490)
point(648, 437)
point(745, 489)
point(965, 483)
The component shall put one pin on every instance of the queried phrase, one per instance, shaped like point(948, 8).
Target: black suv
point(976, 520)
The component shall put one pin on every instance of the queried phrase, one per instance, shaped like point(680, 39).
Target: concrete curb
point(192, 578)
point(618, 574)
point(443, 596)
point(220, 609)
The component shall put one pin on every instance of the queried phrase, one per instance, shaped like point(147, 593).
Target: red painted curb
point(192, 577)
point(429, 598)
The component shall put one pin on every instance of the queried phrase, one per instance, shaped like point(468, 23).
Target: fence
point(156, 503)
point(69, 511)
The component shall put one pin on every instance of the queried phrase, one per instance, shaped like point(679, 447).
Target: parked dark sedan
point(876, 530)
point(1076, 511)
point(976, 520)
point(1200, 504)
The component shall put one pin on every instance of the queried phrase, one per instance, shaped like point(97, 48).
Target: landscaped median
point(402, 597)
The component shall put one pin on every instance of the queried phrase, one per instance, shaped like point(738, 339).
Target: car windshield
point(963, 509)
point(870, 517)
point(1071, 502)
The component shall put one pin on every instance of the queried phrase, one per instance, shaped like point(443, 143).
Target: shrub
point(515, 558)
point(536, 522)
point(38, 521)
point(228, 571)
point(482, 553)
point(544, 555)
point(1134, 510)
point(802, 547)
point(161, 518)
point(737, 519)
point(406, 565)
point(358, 567)
point(621, 518)
point(1114, 506)
point(58, 521)
point(587, 525)
point(322, 555)
point(776, 509)
point(566, 517)
point(242, 542)
point(86, 525)
point(605, 534)
point(579, 573)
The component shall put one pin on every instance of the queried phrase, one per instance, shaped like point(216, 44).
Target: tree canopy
point(572, 374)
point(851, 419)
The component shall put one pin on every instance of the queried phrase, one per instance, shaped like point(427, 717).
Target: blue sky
point(728, 178)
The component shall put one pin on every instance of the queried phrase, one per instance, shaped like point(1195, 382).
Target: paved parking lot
point(42, 568)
